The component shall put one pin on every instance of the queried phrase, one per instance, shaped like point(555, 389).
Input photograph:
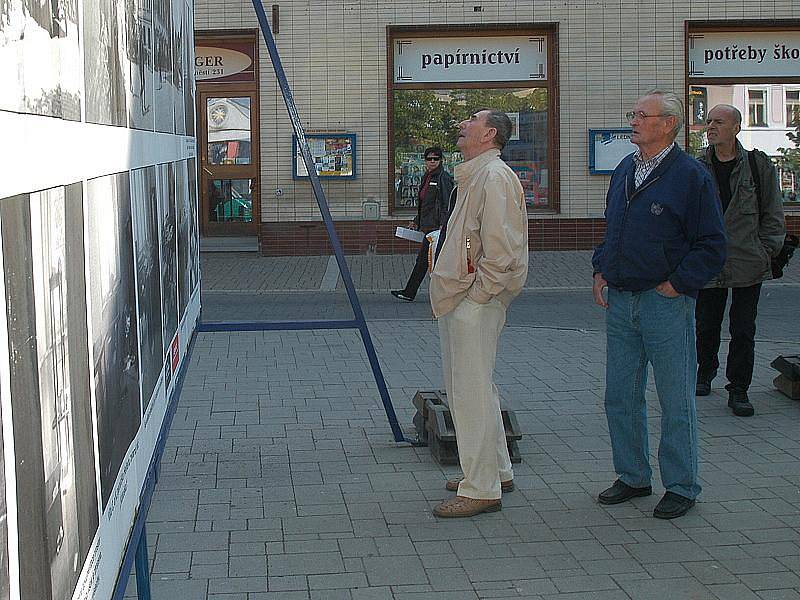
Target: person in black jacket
point(432, 207)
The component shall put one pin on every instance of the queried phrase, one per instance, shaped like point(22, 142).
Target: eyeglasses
point(638, 114)
point(433, 158)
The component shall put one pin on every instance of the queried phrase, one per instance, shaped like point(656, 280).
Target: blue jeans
point(641, 328)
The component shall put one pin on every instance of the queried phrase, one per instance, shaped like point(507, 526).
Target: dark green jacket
point(755, 230)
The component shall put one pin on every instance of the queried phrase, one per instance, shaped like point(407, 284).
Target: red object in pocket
point(470, 266)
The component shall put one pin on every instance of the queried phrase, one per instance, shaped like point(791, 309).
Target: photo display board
point(334, 155)
point(100, 290)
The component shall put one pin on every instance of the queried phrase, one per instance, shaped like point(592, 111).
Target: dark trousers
point(420, 268)
point(742, 316)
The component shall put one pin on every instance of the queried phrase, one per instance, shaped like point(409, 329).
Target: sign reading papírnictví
point(744, 54)
point(470, 59)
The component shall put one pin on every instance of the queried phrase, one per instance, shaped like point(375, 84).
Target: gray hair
point(737, 115)
point(502, 124)
point(671, 106)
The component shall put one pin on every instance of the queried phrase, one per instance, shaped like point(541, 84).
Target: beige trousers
point(469, 347)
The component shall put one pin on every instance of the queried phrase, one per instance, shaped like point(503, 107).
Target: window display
point(334, 155)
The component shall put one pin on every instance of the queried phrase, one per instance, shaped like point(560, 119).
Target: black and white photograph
point(188, 69)
point(106, 63)
point(53, 440)
point(114, 322)
point(40, 57)
point(179, 66)
point(139, 46)
point(163, 85)
point(148, 277)
point(182, 212)
point(169, 262)
point(5, 592)
point(194, 238)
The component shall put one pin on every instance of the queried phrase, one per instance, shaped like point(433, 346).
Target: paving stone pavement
point(281, 480)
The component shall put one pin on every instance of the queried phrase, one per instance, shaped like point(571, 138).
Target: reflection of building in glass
point(769, 113)
point(228, 131)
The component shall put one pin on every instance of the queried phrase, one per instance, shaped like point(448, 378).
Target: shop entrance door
point(228, 140)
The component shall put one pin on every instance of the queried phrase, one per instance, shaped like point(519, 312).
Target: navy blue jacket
point(670, 228)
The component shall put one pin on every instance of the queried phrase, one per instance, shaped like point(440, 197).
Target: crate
point(788, 387)
point(435, 428)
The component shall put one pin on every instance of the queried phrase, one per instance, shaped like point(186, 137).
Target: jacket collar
point(655, 173)
point(709, 153)
point(464, 171)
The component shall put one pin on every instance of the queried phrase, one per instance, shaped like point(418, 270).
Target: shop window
point(442, 77)
point(792, 108)
point(756, 108)
point(425, 118)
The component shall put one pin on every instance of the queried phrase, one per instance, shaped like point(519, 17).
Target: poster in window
point(334, 155)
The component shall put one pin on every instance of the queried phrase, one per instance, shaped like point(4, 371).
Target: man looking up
point(755, 229)
point(481, 265)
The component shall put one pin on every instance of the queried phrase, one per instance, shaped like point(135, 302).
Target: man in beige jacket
point(481, 265)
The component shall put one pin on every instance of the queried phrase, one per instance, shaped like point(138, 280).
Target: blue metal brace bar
point(359, 322)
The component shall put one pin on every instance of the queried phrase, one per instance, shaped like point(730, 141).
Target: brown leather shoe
point(452, 485)
point(461, 506)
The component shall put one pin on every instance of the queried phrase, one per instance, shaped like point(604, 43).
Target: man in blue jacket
point(664, 240)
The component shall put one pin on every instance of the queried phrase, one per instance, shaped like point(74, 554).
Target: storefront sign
point(744, 54)
point(224, 61)
point(470, 59)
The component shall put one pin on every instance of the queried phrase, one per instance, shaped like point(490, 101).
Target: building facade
point(376, 82)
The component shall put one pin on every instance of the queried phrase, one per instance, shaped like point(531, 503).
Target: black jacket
point(432, 209)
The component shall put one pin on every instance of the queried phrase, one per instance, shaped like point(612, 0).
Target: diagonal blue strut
point(358, 322)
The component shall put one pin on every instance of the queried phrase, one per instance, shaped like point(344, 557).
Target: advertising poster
point(105, 63)
point(53, 445)
point(163, 88)
point(40, 58)
point(144, 198)
point(139, 75)
point(169, 262)
point(114, 322)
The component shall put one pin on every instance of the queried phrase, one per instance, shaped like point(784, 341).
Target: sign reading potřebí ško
point(470, 59)
point(744, 54)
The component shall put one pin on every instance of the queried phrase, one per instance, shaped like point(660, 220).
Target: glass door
point(229, 162)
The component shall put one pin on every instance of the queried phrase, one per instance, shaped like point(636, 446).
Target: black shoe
point(622, 492)
point(703, 387)
point(402, 295)
point(740, 403)
point(672, 505)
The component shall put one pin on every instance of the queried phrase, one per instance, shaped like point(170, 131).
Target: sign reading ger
point(744, 54)
point(470, 59)
point(218, 62)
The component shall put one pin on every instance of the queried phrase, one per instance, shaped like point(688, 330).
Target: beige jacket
point(485, 252)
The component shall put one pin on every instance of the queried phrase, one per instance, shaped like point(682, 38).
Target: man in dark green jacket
point(755, 231)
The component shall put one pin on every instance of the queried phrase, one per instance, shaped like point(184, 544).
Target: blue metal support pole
point(319, 194)
point(142, 568)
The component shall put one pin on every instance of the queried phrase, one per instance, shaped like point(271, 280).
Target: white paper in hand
point(409, 234)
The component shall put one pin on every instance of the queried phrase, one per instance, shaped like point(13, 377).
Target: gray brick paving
point(280, 478)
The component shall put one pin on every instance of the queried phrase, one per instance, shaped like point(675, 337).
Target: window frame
point(791, 123)
point(551, 84)
point(764, 104)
